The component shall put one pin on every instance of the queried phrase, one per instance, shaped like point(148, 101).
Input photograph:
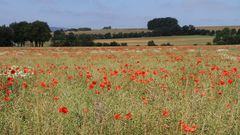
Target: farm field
point(133, 30)
point(122, 90)
point(175, 40)
point(217, 27)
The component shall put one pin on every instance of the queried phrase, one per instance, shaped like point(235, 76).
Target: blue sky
point(120, 13)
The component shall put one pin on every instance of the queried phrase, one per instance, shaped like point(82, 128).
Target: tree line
point(169, 26)
point(61, 39)
point(159, 27)
point(227, 37)
point(38, 32)
point(18, 34)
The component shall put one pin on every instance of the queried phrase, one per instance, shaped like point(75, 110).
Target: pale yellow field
point(217, 27)
point(175, 40)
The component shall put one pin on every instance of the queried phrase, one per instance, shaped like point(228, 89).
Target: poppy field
point(131, 90)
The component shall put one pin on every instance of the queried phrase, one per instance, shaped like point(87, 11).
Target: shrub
point(166, 44)
point(209, 43)
point(98, 44)
point(114, 43)
point(151, 43)
point(124, 44)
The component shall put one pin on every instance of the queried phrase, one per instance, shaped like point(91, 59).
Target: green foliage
point(61, 39)
point(151, 43)
point(19, 33)
point(166, 44)
point(22, 32)
point(107, 27)
point(169, 26)
point(79, 29)
point(208, 43)
point(6, 36)
point(227, 37)
point(40, 33)
point(108, 36)
point(164, 26)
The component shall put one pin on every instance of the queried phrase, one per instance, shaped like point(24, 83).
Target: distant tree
point(85, 40)
point(107, 27)
point(151, 43)
point(59, 38)
point(238, 33)
point(21, 32)
point(164, 26)
point(84, 29)
point(233, 32)
point(71, 39)
point(227, 36)
point(40, 33)
point(108, 36)
point(166, 44)
point(188, 30)
point(6, 36)
point(114, 43)
point(124, 44)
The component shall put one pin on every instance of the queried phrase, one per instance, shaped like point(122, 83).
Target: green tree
point(71, 40)
point(108, 36)
point(21, 32)
point(238, 33)
point(40, 33)
point(227, 36)
point(6, 36)
point(151, 43)
point(85, 40)
point(59, 38)
point(164, 26)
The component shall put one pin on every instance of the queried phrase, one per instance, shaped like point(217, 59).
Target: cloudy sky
point(120, 13)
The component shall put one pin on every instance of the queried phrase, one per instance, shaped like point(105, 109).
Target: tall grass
point(151, 90)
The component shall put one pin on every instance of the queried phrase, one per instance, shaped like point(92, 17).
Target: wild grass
point(158, 90)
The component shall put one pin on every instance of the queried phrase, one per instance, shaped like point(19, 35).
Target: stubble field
point(174, 40)
point(131, 90)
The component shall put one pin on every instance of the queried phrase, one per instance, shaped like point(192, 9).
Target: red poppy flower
point(165, 113)
point(13, 72)
point(187, 128)
point(54, 81)
point(102, 85)
point(94, 82)
point(117, 116)
point(230, 81)
point(63, 110)
point(7, 98)
point(97, 92)
point(118, 87)
point(91, 86)
point(10, 83)
point(24, 85)
point(43, 84)
point(128, 116)
point(219, 93)
point(55, 98)
point(8, 92)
